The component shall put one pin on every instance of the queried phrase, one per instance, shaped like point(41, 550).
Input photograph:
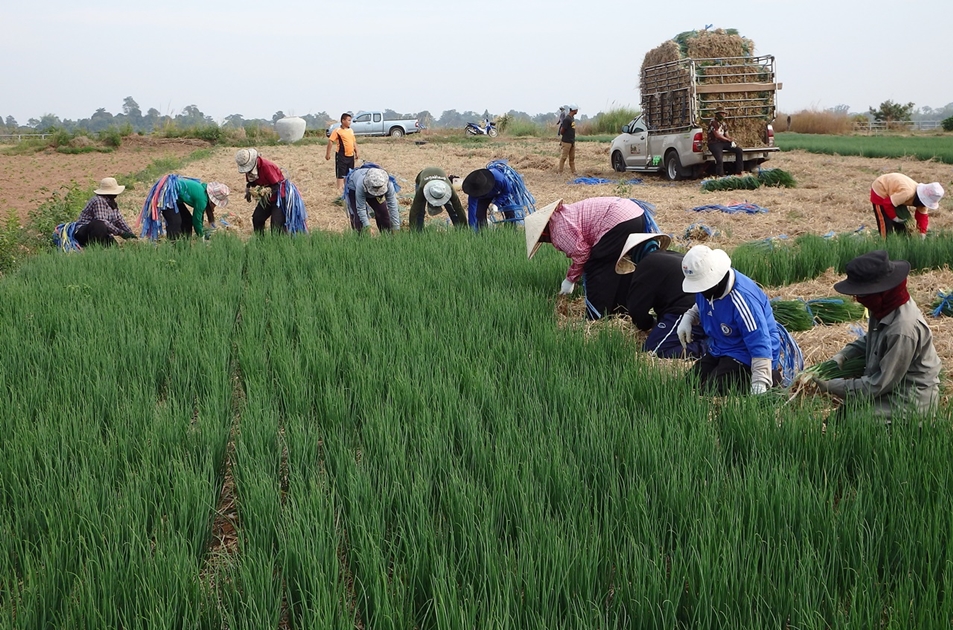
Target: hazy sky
point(69, 58)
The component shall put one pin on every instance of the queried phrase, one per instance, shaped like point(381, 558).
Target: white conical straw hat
point(535, 223)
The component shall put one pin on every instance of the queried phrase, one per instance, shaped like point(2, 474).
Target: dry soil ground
point(832, 194)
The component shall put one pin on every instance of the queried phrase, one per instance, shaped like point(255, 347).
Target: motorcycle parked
point(488, 129)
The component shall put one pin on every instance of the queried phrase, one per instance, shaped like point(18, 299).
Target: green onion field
point(413, 442)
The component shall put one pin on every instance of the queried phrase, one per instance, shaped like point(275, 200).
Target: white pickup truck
point(374, 124)
point(679, 97)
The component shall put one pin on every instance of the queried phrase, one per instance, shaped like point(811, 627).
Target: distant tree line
point(132, 119)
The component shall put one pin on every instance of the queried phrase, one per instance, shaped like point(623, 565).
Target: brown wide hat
point(871, 273)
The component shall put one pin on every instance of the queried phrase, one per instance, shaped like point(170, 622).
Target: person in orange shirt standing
point(346, 152)
point(890, 195)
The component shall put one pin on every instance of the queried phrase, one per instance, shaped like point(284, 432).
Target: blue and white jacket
point(740, 324)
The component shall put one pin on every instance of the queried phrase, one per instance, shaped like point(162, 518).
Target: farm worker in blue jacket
point(498, 184)
point(744, 344)
point(371, 187)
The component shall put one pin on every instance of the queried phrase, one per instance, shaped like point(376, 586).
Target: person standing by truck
point(567, 143)
point(890, 195)
point(346, 152)
point(719, 141)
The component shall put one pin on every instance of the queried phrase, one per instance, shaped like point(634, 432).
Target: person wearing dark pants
point(276, 193)
point(892, 194)
point(592, 233)
point(178, 223)
point(434, 193)
point(371, 187)
point(719, 141)
point(736, 316)
point(268, 210)
point(656, 301)
point(100, 221)
point(184, 203)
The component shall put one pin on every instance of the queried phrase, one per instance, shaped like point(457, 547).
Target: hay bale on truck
point(683, 82)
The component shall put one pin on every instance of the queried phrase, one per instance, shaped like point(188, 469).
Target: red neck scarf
point(882, 304)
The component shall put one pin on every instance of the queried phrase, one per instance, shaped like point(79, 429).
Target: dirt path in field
point(26, 181)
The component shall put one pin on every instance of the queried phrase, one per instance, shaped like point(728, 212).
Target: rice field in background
point(410, 440)
point(937, 147)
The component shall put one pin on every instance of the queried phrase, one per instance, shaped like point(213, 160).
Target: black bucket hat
point(872, 273)
point(479, 183)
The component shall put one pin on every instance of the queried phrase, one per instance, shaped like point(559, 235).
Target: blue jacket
point(500, 187)
point(741, 323)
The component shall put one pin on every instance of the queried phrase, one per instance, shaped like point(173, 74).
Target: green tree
point(889, 112)
point(12, 122)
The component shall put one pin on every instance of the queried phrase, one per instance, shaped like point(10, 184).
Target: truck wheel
point(618, 162)
point(673, 167)
point(492, 132)
point(396, 132)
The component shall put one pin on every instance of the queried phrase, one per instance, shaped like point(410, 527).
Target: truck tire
point(673, 167)
point(618, 162)
point(396, 132)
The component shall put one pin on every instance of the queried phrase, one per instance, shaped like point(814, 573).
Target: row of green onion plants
point(417, 442)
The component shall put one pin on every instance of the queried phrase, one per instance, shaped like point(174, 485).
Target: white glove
point(684, 330)
point(567, 287)
point(760, 375)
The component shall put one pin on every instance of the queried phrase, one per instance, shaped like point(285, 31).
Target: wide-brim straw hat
point(217, 193)
point(930, 194)
point(375, 182)
point(479, 183)
point(437, 192)
point(872, 272)
point(246, 159)
point(625, 263)
point(535, 224)
point(109, 186)
point(703, 268)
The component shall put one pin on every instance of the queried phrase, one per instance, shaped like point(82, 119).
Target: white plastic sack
point(290, 128)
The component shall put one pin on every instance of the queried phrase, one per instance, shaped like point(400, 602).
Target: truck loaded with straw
point(683, 83)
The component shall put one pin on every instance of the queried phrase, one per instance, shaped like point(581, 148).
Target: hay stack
point(746, 116)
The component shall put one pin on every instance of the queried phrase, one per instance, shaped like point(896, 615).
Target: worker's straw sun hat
point(218, 193)
point(437, 192)
point(573, 107)
point(535, 224)
point(625, 264)
point(479, 183)
point(247, 160)
point(703, 268)
point(872, 272)
point(375, 182)
point(109, 186)
point(930, 194)
point(720, 112)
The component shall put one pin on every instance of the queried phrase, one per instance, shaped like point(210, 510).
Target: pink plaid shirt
point(574, 229)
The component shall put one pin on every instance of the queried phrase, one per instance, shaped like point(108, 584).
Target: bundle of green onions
point(834, 310)
point(768, 177)
point(852, 368)
point(792, 314)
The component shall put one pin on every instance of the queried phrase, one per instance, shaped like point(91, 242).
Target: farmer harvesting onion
point(890, 195)
point(656, 300)
point(278, 200)
point(744, 344)
point(501, 185)
point(592, 233)
point(902, 367)
point(370, 186)
point(434, 191)
point(100, 221)
point(170, 198)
